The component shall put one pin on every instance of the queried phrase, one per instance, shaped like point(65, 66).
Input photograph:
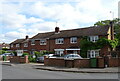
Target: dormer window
point(25, 44)
point(59, 41)
point(94, 38)
point(43, 42)
point(32, 42)
point(73, 40)
point(17, 45)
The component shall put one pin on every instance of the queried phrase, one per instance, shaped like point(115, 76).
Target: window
point(73, 40)
point(60, 53)
point(11, 45)
point(60, 41)
point(93, 53)
point(32, 42)
point(42, 42)
point(17, 45)
point(25, 44)
point(94, 38)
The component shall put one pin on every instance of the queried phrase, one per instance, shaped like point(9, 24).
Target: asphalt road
point(12, 72)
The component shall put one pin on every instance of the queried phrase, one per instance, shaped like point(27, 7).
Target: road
point(12, 72)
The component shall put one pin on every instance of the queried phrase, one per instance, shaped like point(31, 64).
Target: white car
point(72, 56)
point(49, 55)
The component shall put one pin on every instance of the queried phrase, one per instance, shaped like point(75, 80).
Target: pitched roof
point(43, 35)
point(89, 31)
point(18, 41)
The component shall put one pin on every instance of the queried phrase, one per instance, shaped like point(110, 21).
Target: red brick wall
point(19, 59)
point(82, 63)
point(66, 44)
point(54, 62)
point(101, 62)
point(77, 63)
point(114, 62)
point(7, 58)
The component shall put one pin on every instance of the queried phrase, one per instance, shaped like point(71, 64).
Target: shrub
point(31, 59)
point(24, 54)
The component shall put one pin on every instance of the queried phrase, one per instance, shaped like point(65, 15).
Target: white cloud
point(32, 18)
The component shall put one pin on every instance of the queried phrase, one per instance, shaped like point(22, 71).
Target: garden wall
point(80, 63)
point(19, 59)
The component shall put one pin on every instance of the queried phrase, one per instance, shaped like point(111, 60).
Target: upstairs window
point(25, 44)
point(73, 40)
point(93, 38)
point(17, 45)
point(59, 41)
point(11, 45)
point(43, 42)
point(32, 42)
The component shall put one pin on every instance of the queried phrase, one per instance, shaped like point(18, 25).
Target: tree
point(116, 27)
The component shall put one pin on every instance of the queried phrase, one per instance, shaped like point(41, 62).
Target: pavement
point(40, 66)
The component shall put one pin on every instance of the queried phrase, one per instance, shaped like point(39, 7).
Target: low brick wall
point(100, 62)
point(80, 63)
point(54, 62)
point(77, 63)
point(19, 59)
point(114, 62)
point(7, 58)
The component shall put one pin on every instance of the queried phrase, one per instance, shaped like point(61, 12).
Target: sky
point(19, 18)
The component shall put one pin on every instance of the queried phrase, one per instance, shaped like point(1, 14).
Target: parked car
point(40, 59)
point(7, 54)
point(72, 56)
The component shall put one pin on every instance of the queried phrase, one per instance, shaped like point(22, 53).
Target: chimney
point(57, 30)
point(112, 29)
point(26, 37)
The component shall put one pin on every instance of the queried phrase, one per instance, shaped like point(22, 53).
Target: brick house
point(20, 44)
point(4, 45)
point(65, 41)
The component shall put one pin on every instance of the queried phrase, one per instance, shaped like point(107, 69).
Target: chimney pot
point(27, 36)
point(57, 30)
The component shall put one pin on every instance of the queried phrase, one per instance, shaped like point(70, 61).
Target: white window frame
point(93, 38)
point(59, 41)
point(11, 45)
point(17, 45)
point(73, 40)
point(25, 44)
point(93, 53)
point(43, 43)
point(59, 51)
point(32, 42)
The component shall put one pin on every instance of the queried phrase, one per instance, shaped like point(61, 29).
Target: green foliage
point(15, 53)
point(116, 27)
point(113, 43)
point(38, 54)
point(4, 49)
point(86, 45)
point(24, 54)
point(31, 59)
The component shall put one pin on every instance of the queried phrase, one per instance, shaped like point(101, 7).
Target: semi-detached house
point(65, 41)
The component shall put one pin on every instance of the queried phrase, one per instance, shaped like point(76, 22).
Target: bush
point(15, 53)
point(24, 54)
point(31, 59)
